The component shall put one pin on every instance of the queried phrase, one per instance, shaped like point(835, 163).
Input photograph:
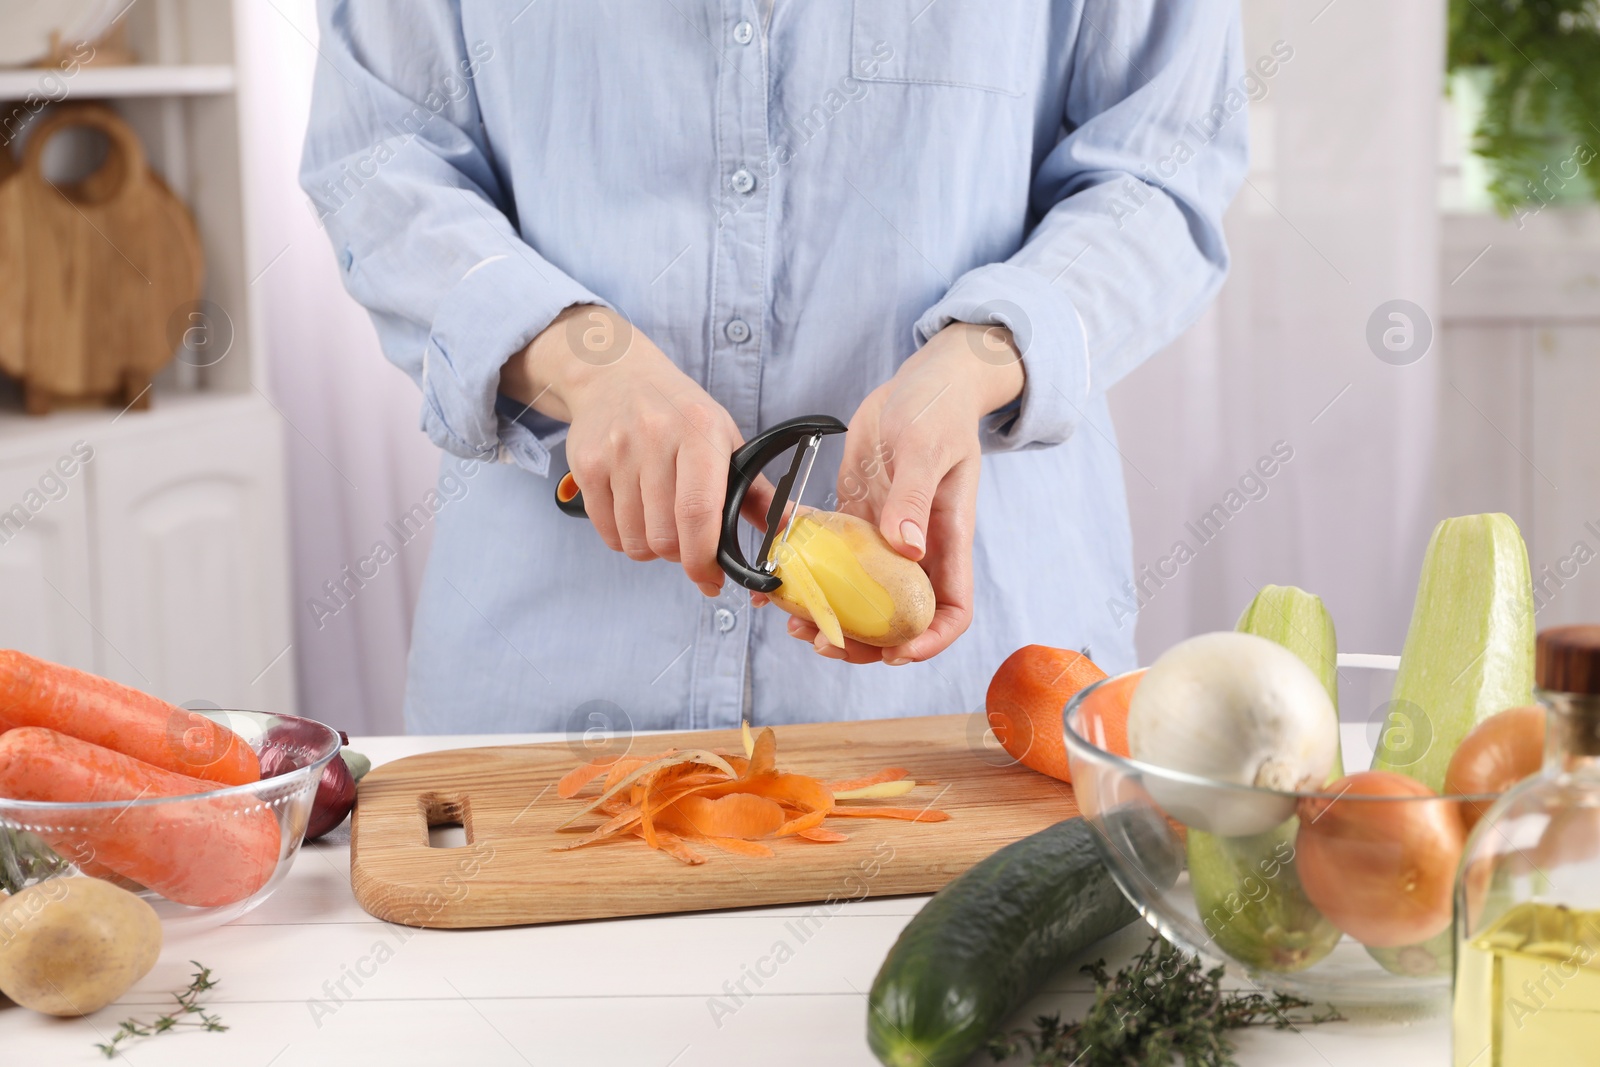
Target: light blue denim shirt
point(788, 203)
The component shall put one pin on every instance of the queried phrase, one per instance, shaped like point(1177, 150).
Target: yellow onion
point(1500, 751)
point(1378, 857)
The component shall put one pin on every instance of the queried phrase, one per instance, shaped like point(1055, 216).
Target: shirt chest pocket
point(964, 44)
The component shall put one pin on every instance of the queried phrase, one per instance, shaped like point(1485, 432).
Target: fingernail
point(829, 652)
point(709, 588)
point(912, 535)
point(794, 625)
point(898, 661)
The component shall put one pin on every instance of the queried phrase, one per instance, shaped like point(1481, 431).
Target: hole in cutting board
point(447, 835)
point(73, 154)
point(446, 820)
point(84, 164)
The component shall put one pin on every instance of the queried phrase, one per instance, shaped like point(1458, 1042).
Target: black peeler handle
point(743, 468)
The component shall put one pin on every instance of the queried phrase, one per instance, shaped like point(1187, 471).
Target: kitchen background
point(1401, 350)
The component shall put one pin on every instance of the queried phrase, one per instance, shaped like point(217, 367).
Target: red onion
point(336, 795)
point(284, 750)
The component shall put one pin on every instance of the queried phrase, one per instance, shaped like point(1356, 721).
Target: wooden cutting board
point(99, 277)
point(505, 800)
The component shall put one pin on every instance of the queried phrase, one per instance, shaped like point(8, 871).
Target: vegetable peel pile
point(730, 801)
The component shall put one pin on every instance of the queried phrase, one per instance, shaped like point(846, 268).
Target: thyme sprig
point(179, 1018)
point(1164, 1005)
point(25, 859)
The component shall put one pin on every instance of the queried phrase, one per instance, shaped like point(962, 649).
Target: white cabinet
point(45, 591)
point(191, 561)
point(162, 560)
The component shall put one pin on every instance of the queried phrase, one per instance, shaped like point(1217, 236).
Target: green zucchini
point(986, 942)
point(1469, 649)
point(1246, 889)
point(1469, 653)
point(1300, 622)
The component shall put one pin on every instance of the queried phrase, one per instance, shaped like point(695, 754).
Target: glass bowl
point(1212, 866)
point(200, 860)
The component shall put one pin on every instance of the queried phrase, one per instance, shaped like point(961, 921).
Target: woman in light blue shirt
point(651, 228)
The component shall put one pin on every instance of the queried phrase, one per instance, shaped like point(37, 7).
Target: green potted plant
point(1525, 76)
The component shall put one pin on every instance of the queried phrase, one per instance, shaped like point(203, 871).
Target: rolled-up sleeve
point(398, 170)
point(1129, 246)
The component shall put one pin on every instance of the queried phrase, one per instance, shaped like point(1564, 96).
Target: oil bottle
point(1527, 978)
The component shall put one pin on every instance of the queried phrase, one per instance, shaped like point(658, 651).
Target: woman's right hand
point(648, 447)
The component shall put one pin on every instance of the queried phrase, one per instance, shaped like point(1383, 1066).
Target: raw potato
point(70, 946)
point(878, 596)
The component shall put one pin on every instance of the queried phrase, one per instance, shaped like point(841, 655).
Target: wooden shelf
point(119, 82)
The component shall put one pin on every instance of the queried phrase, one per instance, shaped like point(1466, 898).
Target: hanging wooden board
point(94, 274)
point(505, 800)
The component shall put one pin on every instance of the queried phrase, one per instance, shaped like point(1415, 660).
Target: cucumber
point(986, 942)
point(1246, 889)
point(1469, 649)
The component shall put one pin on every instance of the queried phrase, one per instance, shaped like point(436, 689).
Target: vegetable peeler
point(802, 434)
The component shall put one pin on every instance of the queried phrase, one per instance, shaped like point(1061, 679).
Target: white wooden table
point(308, 978)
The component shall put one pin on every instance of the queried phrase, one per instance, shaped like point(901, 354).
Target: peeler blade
point(804, 457)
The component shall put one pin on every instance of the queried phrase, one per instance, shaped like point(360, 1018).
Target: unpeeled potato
point(70, 946)
point(839, 573)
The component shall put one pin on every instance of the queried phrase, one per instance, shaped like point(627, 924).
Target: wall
point(1517, 362)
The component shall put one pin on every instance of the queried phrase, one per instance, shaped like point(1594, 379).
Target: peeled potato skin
point(907, 583)
point(70, 946)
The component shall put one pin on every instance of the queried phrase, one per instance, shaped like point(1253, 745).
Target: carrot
point(206, 852)
point(881, 791)
point(800, 825)
point(618, 822)
point(647, 815)
point(741, 815)
point(633, 775)
point(673, 846)
point(823, 835)
point(730, 801)
point(1106, 712)
point(741, 848)
point(1024, 703)
point(889, 774)
point(98, 710)
point(908, 814)
point(628, 765)
point(763, 754)
point(790, 790)
point(572, 783)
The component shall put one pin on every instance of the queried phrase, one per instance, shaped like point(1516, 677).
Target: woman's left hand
point(911, 464)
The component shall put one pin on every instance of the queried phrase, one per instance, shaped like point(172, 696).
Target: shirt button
point(744, 33)
point(725, 620)
point(743, 181)
point(738, 331)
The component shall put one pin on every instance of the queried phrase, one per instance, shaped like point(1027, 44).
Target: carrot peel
point(735, 803)
point(879, 791)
